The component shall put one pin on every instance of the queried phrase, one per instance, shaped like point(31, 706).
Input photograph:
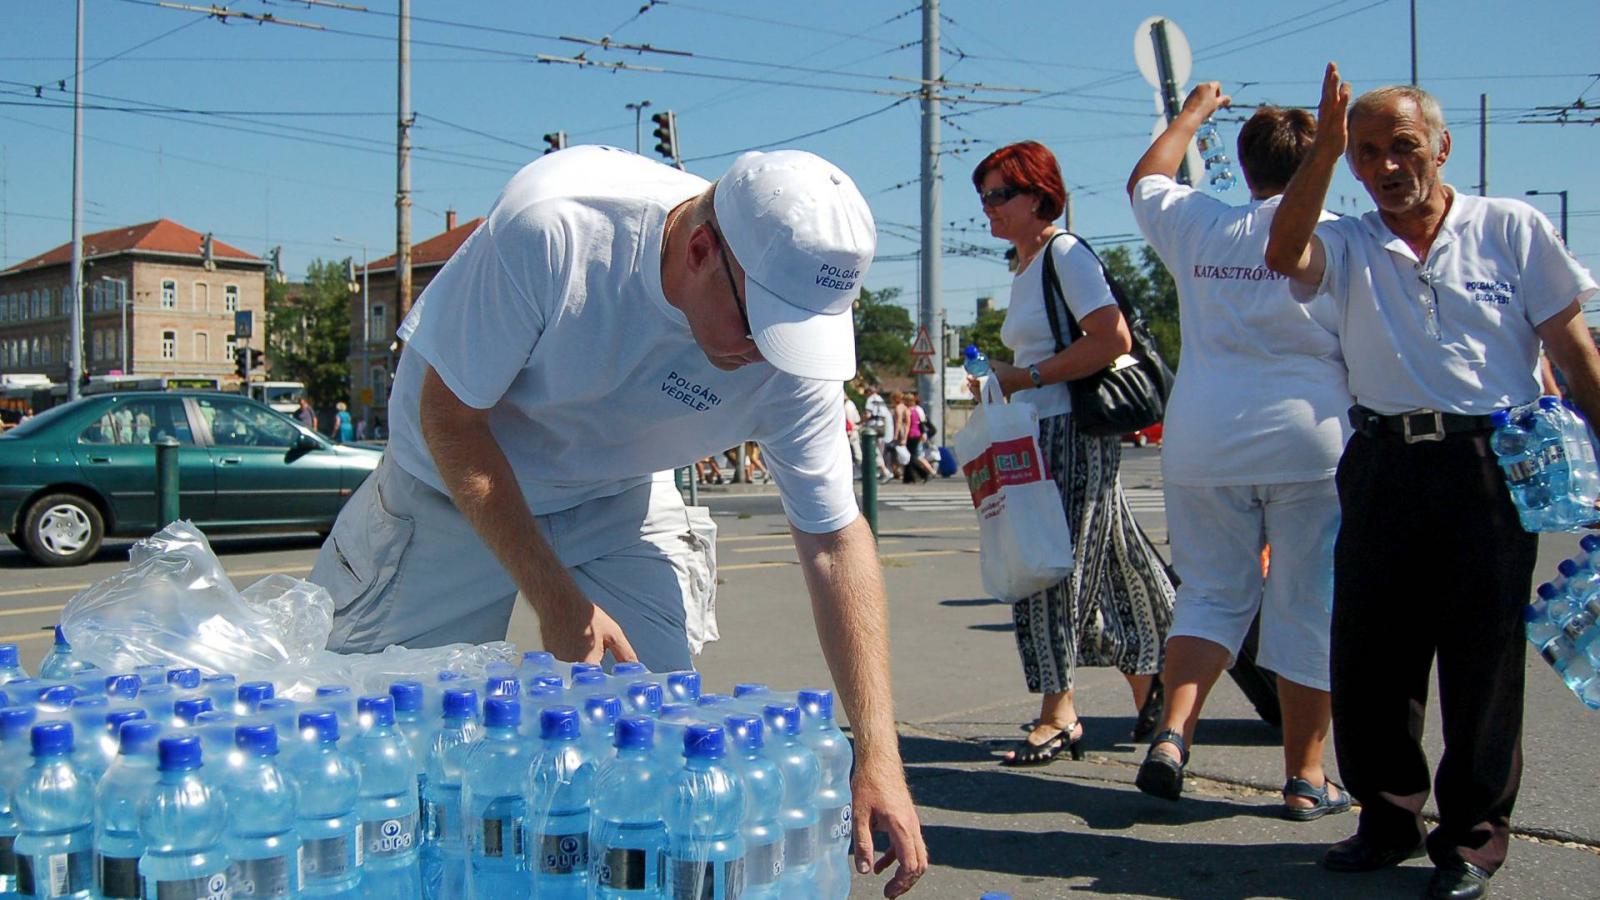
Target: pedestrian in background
point(916, 469)
point(305, 415)
point(852, 431)
point(342, 430)
point(1115, 607)
point(878, 418)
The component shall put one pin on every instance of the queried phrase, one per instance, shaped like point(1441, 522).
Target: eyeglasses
point(733, 285)
point(997, 196)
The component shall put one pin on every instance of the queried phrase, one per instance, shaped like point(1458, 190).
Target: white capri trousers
point(1217, 534)
point(405, 567)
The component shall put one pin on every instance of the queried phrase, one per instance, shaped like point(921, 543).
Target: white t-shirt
point(1026, 329)
point(552, 316)
point(878, 413)
point(1453, 332)
point(1261, 394)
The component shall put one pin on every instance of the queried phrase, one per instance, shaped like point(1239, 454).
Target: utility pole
point(1413, 43)
point(1483, 145)
point(402, 194)
point(930, 305)
point(75, 339)
point(1068, 211)
point(1169, 86)
point(638, 114)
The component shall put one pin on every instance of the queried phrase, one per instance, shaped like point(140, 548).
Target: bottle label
point(117, 876)
point(1522, 470)
point(1554, 454)
point(206, 887)
point(692, 880)
point(624, 869)
point(8, 862)
point(326, 858)
point(835, 823)
point(800, 846)
point(360, 846)
point(500, 838)
point(563, 854)
point(56, 875)
point(435, 827)
point(272, 876)
point(390, 837)
point(1552, 652)
point(763, 863)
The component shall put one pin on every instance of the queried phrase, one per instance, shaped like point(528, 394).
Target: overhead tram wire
point(789, 140)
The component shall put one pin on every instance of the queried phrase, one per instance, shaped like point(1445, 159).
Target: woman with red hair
point(1114, 609)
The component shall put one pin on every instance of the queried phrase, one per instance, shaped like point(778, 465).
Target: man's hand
point(1206, 98)
point(583, 632)
point(1332, 130)
point(880, 801)
point(1293, 249)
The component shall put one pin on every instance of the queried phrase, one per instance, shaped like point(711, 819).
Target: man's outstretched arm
point(1293, 249)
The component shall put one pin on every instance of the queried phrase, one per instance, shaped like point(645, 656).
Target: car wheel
point(1141, 439)
point(62, 530)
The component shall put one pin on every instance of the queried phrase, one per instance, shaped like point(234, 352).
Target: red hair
point(1031, 167)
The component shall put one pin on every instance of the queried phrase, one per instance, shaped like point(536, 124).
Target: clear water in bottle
point(61, 664)
point(328, 783)
point(627, 837)
point(118, 798)
point(704, 814)
point(11, 664)
point(444, 847)
point(801, 779)
point(763, 793)
point(181, 824)
point(249, 696)
point(123, 688)
point(262, 845)
point(600, 715)
point(1519, 459)
point(388, 805)
point(15, 723)
point(560, 787)
point(494, 807)
point(54, 806)
point(835, 759)
point(975, 361)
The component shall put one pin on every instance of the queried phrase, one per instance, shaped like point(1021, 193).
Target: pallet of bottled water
point(1546, 451)
point(525, 781)
point(1563, 621)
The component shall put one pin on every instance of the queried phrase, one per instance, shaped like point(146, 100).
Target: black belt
point(1416, 426)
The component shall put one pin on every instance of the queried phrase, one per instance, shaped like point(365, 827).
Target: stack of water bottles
point(1547, 453)
point(1561, 621)
point(525, 782)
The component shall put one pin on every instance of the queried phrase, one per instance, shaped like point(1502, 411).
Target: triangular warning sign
point(923, 346)
point(922, 365)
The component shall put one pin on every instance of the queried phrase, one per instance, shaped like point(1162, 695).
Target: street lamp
point(366, 326)
point(638, 113)
point(122, 303)
point(1563, 196)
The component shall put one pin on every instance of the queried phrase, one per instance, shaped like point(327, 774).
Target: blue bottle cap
point(588, 678)
point(1548, 402)
point(60, 695)
point(333, 690)
point(223, 678)
point(124, 686)
point(407, 696)
point(585, 667)
point(502, 686)
point(137, 736)
point(714, 700)
point(551, 681)
point(8, 656)
point(684, 684)
point(502, 712)
point(629, 670)
point(450, 676)
point(702, 741)
point(61, 639)
point(645, 696)
point(187, 678)
point(745, 689)
point(817, 703)
point(748, 736)
point(187, 708)
point(258, 740)
point(50, 738)
point(1532, 613)
point(1500, 418)
point(635, 733)
point(1547, 590)
point(603, 709)
point(380, 708)
point(1567, 567)
point(460, 704)
point(179, 753)
point(1589, 542)
point(539, 659)
point(971, 352)
point(15, 722)
point(558, 723)
point(251, 693)
point(784, 718)
point(320, 725)
point(116, 718)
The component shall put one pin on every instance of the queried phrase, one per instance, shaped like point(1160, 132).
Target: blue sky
point(271, 134)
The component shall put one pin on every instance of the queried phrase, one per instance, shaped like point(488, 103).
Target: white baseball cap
point(804, 237)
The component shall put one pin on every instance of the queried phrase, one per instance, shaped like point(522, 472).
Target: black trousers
point(1430, 563)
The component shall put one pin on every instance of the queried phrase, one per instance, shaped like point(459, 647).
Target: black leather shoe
point(1458, 881)
point(1358, 854)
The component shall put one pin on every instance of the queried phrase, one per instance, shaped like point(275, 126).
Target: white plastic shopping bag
point(1024, 543)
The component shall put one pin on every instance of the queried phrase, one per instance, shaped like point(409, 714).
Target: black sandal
point(1320, 804)
point(1161, 775)
point(1026, 753)
point(1150, 713)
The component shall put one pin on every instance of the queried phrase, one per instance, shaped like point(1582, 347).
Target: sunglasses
point(997, 196)
point(733, 285)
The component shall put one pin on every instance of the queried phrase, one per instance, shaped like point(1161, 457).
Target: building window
point(379, 329)
point(200, 296)
point(202, 345)
point(169, 294)
point(230, 298)
point(230, 347)
point(169, 345)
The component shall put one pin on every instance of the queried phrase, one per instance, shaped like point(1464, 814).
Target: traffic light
point(666, 134)
point(350, 282)
point(557, 141)
point(276, 259)
point(241, 362)
point(208, 256)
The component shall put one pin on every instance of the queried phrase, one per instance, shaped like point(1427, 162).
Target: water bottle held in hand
point(975, 361)
point(1519, 459)
point(1219, 168)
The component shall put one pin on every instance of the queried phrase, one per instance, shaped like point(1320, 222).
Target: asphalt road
point(1067, 829)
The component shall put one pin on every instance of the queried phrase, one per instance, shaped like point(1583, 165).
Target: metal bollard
point(166, 481)
point(869, 478)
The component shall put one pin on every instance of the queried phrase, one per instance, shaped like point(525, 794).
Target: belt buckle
point(1437, 434)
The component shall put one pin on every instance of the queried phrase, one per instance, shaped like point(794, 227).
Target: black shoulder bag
point(1127, 395)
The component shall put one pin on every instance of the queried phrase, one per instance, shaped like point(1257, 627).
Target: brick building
point(179, 316)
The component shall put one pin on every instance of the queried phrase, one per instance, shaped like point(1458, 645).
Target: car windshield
point(43, 420)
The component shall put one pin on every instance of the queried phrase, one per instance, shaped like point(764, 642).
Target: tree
point(1152, 292)
point(985, 334)
point(884, 331)
point(308, 332)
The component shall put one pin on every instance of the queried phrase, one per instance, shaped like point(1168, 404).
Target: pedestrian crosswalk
point(1140, 499)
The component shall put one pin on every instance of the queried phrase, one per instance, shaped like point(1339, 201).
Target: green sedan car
point(79, 472)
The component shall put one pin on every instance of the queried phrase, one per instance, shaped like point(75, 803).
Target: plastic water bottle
point(600, 715)
point(801, 779)
point(10, 664)
point(1546, 425)
point(579, 667)
point(15, 722)
point(101, 744)
point(704, 814)
point(54, 806)
point(185, 709)
point(1582, 588)
point(1584, 483)
point(627, 837)
point(1574, 667)
point(388, 806)
point(625, 673)
point(181, 824)
point(156, 700)
point(284, 715)
point(975, 361)
point(118, 798)
point(1519, 458)
point(643, 697)
point(1540, 628)
point(502, 686)
point(223, 690)
point(763, 794)
point(835, 758)
point(493, 805)
point(682, 687)
point(260, 838)
point(418, 729)
point(340, 699)
point(328, 783)
point(1219, 168)
point(61, 664)
point(444, 847)
point(184, 678)
point(250, 695)
point(122, 688)
point(560, 786)
point(536, 662)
